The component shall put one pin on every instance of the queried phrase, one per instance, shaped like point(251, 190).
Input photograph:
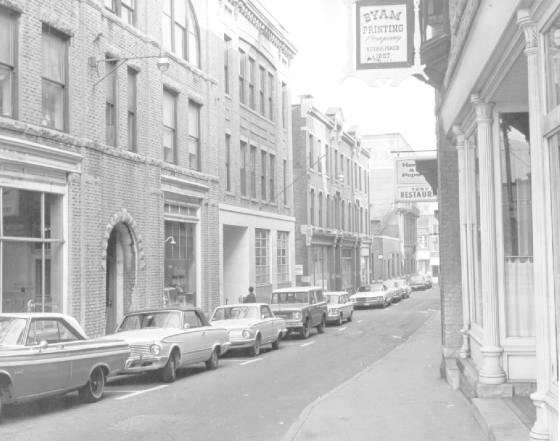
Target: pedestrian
point(250, 297)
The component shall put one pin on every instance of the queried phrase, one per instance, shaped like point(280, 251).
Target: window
point(7, 63)
point(51, 331)
point(348, 173)
point(111, 103)
point(192, 319)
point(123, 8)
point(328, 223)
point(263, 176)
point(262, 79)
point(272, 175)
point(253, 172)
point(312, 207)
point(54, 78)
point(132, 127)
point(327, 161)
point(311, 156)
point(285, 181)
point(193, 139)
point(243, 168)
point(284, 105)
point(169, 123)
point(319, 157)
point(228, 161)
point(30, 232)
point(271, 97)
point(336, 165)
point(241, 76)
point(227, 49)
point(180, 259)
point(282, 248)
point(262, 265)
point(320, 214)
point(180, 30)
point(251, 83)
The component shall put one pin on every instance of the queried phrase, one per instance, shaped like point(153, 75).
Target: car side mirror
point(43, 345)
point(186, 326)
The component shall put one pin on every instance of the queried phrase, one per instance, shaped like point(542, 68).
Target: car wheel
point(386, 303)
point(339, 322)
point(93, 390)
point(214, 360)
point(305, 331)
point(276, 343)
point(169, 371)
point(350, 316)
point(321, 326)
point(256, 348)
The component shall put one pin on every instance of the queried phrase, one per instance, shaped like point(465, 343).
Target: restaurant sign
point(384, 34)
point(411, 185)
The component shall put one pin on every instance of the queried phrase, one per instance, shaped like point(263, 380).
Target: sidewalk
point(400, 397)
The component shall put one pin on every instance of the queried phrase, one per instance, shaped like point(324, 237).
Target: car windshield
point(290, 297)
point(369, 288)
point(11, 330)
point(417, 279)
point(332, 299)
point(236, 312)
point(163, 319)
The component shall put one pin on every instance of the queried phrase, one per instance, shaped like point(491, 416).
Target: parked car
point(403, 287)
point(302, 307)
point(428, 281)
point(339, 307)
point(167, 339)
point(44, 354)
point(375, 294)
point(250, 326)
point(417, 282)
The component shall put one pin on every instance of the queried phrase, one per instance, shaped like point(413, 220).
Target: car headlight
point(155, 349)
point(296, 315)
point(246, 333)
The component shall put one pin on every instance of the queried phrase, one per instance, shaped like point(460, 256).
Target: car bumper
point(333, 316)
point(239, 343)
point(369, 302)
point(143, 363)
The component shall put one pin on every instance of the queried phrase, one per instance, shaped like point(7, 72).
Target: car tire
point(214, 360)
point(256, 348)
point(276, 343)
point(169, 371)
point(350, 316)
point(339, 321)
point(305, 331)
point(386, 304)
point(321, 326)
point(93, 390)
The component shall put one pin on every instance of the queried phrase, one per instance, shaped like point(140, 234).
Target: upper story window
point(169, 125)
point(271, 97)
point(242, 76)
point(125, 9)
point(194, 135)
point(227, 49)
point(54, 78)
point(111, 102)
point(7, 63)
point(180, 30)
point(251, 83)
point(131, 108)
point(284, 105)
point(261, 90)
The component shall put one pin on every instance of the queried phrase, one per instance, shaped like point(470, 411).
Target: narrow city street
point(244, 399)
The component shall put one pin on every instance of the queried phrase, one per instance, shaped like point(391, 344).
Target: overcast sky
point(318, 29)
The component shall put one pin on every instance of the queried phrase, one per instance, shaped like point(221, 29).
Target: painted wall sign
point(384, 34)
point(410, 184)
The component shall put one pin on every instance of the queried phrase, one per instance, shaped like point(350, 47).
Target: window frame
point(132, 109)
point(50, 31)
point(262, 257)
point(117, 9)
point(194, 138)
point(13, 18)
point(173, 95)
point(189, 13)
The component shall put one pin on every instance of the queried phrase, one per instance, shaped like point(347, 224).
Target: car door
point(49, 368)
point(266, 324)
point(344, 306)
point(210, 335)
point(191, 340)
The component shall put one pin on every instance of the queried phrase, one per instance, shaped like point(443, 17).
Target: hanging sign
point(411, 185)
point(384, 34)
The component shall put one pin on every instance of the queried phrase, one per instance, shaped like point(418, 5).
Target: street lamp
point(162, 64)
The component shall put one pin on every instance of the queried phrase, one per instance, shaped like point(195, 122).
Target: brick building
point(331, 199)
point(256, 223)
point(111, 156)
point(495, 69)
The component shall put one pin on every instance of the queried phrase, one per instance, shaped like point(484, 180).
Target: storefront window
point(262, 257)
point(30, 251)
point(320, 266)
point(180, 263)
point(517, 223)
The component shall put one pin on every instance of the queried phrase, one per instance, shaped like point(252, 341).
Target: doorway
point(114, 290)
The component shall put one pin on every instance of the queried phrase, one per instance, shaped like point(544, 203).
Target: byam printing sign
point(410, 185)
point(384, 34)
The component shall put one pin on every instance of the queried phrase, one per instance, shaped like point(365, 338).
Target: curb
point(296, 426)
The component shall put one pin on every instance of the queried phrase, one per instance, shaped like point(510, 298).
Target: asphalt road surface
point(246, 398)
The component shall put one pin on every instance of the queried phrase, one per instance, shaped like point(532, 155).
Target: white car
point(376, 294)
point(250, 326)
point(340, 308)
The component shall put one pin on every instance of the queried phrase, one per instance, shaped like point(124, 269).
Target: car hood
point(146, 335)
point(367, 294)
point(288, 306)
point(235, 324)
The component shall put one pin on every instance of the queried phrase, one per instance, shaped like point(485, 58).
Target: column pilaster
point(491, 371)
point(459, 136)
point(541, 243)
